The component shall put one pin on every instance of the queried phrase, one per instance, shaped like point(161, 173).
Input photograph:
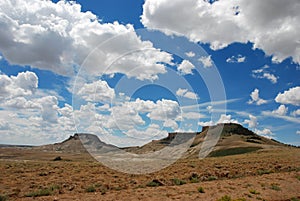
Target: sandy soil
point(263, 175)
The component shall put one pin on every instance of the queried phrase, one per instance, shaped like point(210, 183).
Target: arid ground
point(28, 174)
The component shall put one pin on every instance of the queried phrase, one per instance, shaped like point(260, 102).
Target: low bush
point(252, 191)
point(154, 183)
point(38, 193)
point(263, 171)
point(178, 181)
point(3, 197)
point(228, 198)
point(201, 189)
point(90, 189)
point(275, 187)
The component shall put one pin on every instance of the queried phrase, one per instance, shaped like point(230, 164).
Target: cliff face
point(171, 136)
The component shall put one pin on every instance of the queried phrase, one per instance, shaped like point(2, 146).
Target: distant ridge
point(14, 146)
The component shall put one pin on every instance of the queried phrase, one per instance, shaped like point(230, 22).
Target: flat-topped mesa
point(172, 135)
point(233, 128)
point(230, 128)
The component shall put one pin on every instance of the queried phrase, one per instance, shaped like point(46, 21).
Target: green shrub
point(212, 178)
point(194, 178)
point(262, 172)
point(275, 187)
point(90, 189)
point(41, 192)
point(252, 191)
point(228, 198)
point(178, 181)
point(201, 189)
point(225, 198)
point(58, 158)
point(154, 183)
point(54, 187)
point(3, 197)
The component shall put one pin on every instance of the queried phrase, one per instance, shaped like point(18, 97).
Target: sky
point(132, 71)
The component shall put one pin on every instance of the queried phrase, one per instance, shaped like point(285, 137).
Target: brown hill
point(71, 145)
point(234, 139)
point(74, 144)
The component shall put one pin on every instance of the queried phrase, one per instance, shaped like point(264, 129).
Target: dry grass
point(274, 174)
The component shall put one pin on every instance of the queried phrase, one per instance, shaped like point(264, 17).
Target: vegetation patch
point(41, 192)
point(154, 183)
point(58, 158)
point(3, 197)
point(90, 189)
point(201, 189)
point(233, 151)
point(212, 178)
point(178, 181)
point(252, 191)
point(228, 198)
point(194, 178)
point(44, 192)
point(275, 187)
point(263, 171)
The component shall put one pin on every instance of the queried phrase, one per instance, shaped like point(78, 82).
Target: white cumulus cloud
point(270, 25)
point(282, 110)
point(208, 123)
point(24, 84)
point(165, 109)
point(296, 113)
point(252, 121)
point(98, 91)
point(255, 99)
point(57, 36)
point(206, 61)
point(185, 67)
point(236, 59)
point(224, 119)
point(186, 93)
point(190, 54)
point(171, 124)
point(262, 73)
point(291, 96)
point(265, 133)
point(152, 132)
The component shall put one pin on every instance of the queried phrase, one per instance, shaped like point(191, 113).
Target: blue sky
point(131, 71)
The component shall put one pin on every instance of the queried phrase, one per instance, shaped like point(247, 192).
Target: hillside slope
point(234, 139)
